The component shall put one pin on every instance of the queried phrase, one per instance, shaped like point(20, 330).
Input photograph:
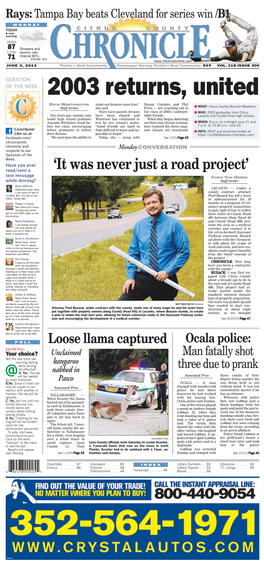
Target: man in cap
point(162, 389)
point(235, 49)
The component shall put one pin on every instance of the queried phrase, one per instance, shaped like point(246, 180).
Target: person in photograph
point(9, 188)
point(19, 495)
point(9, 224)
point(9, 297)
point(235, 48)
point(9, 261)
point(162, 389)
point(9, 327)
point(160, 242)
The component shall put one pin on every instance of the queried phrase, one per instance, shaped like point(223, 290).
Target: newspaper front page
point(133, 287)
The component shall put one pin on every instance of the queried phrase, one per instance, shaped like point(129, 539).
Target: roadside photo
point(129, 392)
point(127, 238)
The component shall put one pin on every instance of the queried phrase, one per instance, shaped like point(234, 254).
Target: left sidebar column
point(23, 272)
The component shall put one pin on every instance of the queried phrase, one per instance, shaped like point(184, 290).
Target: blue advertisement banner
point(72, 490)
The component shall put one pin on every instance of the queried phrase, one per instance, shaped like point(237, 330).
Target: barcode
point(24, 465)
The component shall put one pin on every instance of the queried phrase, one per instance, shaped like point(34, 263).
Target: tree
point(133, 182)
point(62, 195)
point(116, 187)
point(90, 189)
point(121, 185)
point(107, 362)
point(200, 186)
point(99, 185)
point(83, 193)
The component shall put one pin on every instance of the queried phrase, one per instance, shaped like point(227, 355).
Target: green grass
point(129, 208)
point(138, 192)
point(195, 203)
point(96, 274)
point(162, 433)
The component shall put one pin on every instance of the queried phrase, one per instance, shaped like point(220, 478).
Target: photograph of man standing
point(160, 242)
point(162, 389)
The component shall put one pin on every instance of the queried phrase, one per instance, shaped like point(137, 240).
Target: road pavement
point(75, 235)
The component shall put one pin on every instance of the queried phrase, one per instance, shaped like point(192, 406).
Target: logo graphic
point(22, 107)
point(132, 24)
point(11, 370)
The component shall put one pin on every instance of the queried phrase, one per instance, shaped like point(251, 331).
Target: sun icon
point(22, 107)
point(132, 24)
